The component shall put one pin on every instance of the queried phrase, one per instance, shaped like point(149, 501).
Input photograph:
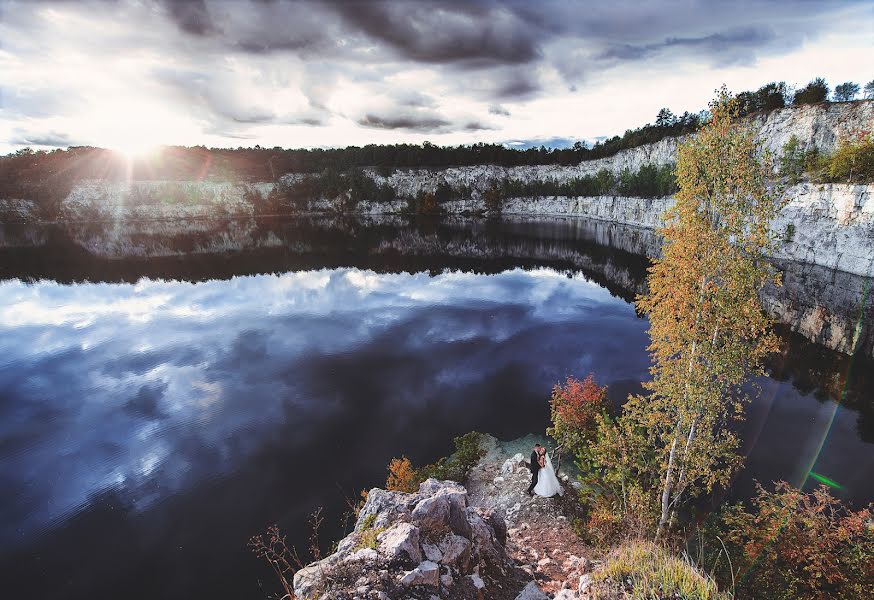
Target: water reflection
point(148, 428)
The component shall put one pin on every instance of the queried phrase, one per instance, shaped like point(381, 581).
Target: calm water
point(149, 426)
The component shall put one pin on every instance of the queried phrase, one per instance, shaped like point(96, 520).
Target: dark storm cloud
point(740, 43)
point(413, 122)
point(472, 33)
point(191, 16)
point(230, 64)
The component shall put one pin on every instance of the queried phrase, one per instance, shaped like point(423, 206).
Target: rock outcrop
point(431, 544)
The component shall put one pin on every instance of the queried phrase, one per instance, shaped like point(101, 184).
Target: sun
point(134, 149)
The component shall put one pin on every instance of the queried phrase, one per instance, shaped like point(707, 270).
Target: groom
point(535, 468)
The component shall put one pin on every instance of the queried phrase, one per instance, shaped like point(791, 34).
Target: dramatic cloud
point(339, 72)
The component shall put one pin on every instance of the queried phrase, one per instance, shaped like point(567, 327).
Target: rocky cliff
point(826, 225)
point(484, 540)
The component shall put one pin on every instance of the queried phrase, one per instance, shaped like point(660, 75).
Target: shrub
point(402, 477)
point(793, 544)
point(574, 408)
point(468, 452)
point(792, 160)
point(853, 161)
point(650, 572)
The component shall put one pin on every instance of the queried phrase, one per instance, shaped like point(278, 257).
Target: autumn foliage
point(795, 545)
point(575, 406)
point(402, 476)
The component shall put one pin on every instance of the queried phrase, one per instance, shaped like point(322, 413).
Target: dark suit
point(535, 470)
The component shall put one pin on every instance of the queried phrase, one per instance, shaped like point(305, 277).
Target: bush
point(853, 161)
point(792, 160)
point(793, 544)
point(404, 477)
point(574, 408)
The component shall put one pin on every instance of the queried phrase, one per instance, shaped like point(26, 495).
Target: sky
point(130, 74)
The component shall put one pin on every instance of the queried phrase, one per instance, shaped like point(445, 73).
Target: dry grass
point(648, 572)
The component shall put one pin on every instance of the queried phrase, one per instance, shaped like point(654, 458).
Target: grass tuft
point(646, 571)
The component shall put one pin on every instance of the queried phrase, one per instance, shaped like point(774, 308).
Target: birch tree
point(707, 328)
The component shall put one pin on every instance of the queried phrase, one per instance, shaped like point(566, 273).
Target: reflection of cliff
point(822, 304)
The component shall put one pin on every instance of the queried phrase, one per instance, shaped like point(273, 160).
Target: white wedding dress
point(547, 483)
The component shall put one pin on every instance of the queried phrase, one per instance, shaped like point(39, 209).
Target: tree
point(869, 90)
point(708, 331)
point(846, 91)
point(815, 91)
point(665, 118)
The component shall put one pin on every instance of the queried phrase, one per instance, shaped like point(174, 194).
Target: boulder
point(532, 592)
point(431, 552)
point(431, 513)
point(585, 584)
point(427, 573)
point(514, 464)
point(456, 551)
point(399, 539)
point(387, 507)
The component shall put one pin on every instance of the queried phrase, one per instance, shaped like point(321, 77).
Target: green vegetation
point(814, 92)
point(368, 534)
point(845, 92)
point(851, 162)
point(404, 477)
point(646, 571)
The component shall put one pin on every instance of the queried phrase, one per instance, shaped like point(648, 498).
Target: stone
point(446, 580)
point(544, 562)
point(364, 555)
point(431, 552)
point(387, 506)
point(532, 591)
point(511, 465)
point(477, 581)
point(456, 551)
point(431, 513)
point(566, 595)
point(427, 573)
point(401, 538)
point(585, 584)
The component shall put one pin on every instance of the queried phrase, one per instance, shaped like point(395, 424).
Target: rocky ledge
point(488, 540)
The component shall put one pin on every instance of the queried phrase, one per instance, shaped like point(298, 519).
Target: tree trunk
point(672, 455)
point(666, 491)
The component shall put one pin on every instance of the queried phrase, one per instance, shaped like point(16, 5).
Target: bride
point(547, 483)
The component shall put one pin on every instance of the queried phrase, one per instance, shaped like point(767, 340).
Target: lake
point(168, 390)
